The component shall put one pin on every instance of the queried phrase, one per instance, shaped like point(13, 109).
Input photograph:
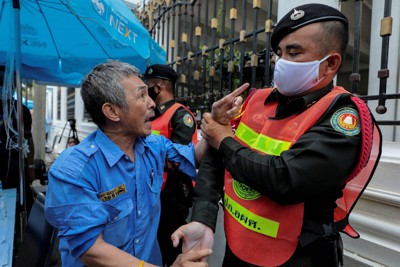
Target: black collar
point(160, 109)
point(289, 106)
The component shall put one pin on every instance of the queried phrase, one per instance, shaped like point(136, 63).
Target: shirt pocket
point(119, 231)
point(154, 183)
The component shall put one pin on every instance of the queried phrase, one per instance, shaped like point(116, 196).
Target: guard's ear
point(110, 111)
point(334, 62)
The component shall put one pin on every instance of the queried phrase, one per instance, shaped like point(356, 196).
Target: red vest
point(162, 126)
point(259, 230)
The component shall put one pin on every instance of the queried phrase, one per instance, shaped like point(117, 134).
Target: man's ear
point(110, 111)
point(334, 62)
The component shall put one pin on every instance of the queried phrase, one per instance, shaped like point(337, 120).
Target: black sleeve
point(319, 161)
point(183, 127)
point(209, 188)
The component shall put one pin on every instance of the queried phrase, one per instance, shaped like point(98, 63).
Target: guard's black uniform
point(176, 197)
point(322, 155)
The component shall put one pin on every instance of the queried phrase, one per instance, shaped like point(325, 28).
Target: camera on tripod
point(72, 124)
point(72, 135)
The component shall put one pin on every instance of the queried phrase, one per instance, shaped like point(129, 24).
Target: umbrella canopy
point(59, 41)
point(62, 40)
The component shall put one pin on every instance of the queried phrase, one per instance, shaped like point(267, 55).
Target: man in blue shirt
point(104, 194)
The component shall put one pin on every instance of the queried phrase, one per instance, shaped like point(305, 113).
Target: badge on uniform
point(188, 120)
point(346, 121)
point(297, 14)
point(113, 193)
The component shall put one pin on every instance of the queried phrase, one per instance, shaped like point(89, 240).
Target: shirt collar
point(288, 107)
point(110, 150)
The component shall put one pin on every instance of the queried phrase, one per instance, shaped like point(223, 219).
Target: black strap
point(312, 231)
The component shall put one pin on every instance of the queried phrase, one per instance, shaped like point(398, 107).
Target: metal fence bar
point(383, 73)
point(204, 57)
point(242, 40)
point(231, 63)
point(222, 50)
point(254, 56)
point(214, 26)
point(196, 74)
point(267, 56)
point(355, 75)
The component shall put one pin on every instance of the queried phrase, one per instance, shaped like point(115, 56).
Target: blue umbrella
point(59, 41)
point(62, 40)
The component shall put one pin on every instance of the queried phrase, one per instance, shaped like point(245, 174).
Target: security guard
point(177, 123)
point(300, 157)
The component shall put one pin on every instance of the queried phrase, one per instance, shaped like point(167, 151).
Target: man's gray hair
point(103, 85)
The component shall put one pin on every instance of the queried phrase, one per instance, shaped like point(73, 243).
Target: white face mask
point(293, 78)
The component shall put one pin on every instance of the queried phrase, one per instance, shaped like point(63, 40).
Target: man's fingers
point(176, 237)
point(239, 90)
point(206, 117)
point(197, 255)
point(238, 101)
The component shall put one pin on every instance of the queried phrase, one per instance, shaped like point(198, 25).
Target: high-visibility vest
point(162, 126)
point(260, 231)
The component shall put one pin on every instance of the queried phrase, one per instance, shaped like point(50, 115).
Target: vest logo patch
point(188, 120)
point(113, 193)
point(244, 191)
point(346, 121)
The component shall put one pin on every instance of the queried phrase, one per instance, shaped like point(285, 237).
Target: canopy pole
point(20, 114)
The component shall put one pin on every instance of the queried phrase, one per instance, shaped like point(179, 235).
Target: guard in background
point(177, 123)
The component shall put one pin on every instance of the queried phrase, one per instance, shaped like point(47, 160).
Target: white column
point(64, 97)
point(39, 118)
point(55, 95)
point(393, 112)
point(79, 106)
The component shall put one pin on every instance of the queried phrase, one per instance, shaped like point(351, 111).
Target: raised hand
point(227, 108)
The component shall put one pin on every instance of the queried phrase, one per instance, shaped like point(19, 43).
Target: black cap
point(301, 16)
point(160, 71)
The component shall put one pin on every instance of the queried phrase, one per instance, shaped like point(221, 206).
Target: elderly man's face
point(136, 120)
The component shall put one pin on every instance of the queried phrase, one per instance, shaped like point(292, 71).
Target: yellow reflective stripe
point(261, 142)
point(250, 220)
point(155, 132)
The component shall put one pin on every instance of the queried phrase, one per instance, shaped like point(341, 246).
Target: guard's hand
point(227, 108)
point(195, 236)
point(213, 132)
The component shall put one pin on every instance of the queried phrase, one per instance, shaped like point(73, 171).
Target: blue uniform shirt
point(95, 188)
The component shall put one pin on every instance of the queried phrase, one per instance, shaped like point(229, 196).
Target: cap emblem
point(297, 14)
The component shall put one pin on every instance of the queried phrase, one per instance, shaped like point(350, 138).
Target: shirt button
point(126, 157)
point(115, 218)
point(92, 146)
point(138, 213)
point(137, 240)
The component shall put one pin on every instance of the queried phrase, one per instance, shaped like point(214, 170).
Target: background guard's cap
point(301, 16)
point(160, 71)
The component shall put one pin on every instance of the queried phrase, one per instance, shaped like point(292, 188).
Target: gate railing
point(216, 45)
